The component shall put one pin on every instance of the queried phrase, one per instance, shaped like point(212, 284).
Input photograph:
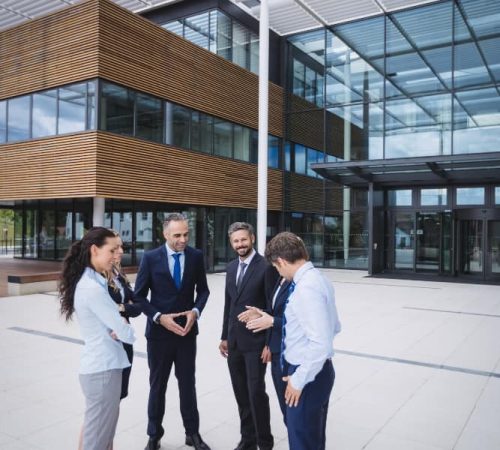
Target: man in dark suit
point(258, 320)
point(249, 281)
point(172, 273)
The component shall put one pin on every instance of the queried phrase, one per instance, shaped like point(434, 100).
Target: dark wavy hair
point(76, 260)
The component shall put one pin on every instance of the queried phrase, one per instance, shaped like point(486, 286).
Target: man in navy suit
point(172, 273)
point(249, 281)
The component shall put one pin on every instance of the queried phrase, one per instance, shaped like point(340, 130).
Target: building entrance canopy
point(428, 170)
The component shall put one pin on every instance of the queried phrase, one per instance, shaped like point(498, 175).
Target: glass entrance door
point(471, 260)
point(493, 250)
point(404, 230)
point(428, 242)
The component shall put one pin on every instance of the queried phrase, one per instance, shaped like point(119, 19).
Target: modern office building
point(384, 127)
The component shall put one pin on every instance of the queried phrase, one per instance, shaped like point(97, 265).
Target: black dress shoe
point(195, 440)
point(153, 444)
point(242, 445)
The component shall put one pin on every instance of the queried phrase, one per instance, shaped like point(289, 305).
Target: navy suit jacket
point(277, 312)
point(154, 276)
point(255, 290)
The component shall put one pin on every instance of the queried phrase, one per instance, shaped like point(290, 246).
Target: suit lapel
point(164, 259)
point(188, 264)
point(248, 273)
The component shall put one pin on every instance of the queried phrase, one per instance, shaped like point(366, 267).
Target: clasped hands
point(167, 321)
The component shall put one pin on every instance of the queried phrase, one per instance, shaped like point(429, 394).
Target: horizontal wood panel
point(97, 38)
point(102, 164)
point(131, 169)
point(57, 167)
point(163, 64)
point(50, 51)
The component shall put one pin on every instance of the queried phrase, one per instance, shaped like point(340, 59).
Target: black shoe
point(153, 444)
point(242, 445)
point(195, 440)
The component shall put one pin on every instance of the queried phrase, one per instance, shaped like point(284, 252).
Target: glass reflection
point(18, 113)
point(117, 109)
point(72, 108)
point(223, 138)
point(470, 196)
point(434, 197)
point(44, 113)
point(149, 118)
point(3, 121)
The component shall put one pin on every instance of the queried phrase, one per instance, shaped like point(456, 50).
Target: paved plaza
point(417, 368)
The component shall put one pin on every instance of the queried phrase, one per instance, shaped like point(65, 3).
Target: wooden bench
point(24, 284)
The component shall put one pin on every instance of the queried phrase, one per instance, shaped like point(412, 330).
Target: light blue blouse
point(98, 315)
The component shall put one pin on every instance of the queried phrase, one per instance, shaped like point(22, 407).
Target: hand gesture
point(191, 319)
point(251, 313)
point(167, 321)
point(262, 322)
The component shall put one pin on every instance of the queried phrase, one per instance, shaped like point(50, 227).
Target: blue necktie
point(283, 329)
point(177, 269)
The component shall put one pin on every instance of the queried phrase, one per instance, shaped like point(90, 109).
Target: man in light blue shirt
point(310, 324)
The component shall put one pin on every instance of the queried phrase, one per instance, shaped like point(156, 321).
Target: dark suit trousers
point(247, 377)
point(278, 382)
point(129, 349)
point(162, 354)
point(306, 422)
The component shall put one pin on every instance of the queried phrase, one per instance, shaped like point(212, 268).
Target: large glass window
point(273, 151)
point(223, 138)
point(400, 197)
point(117, 109)
point(196, 29)
point(178, 125)
point(44, 113)
point(434, 197)
point(241, 38)
point(149, 118)
point(241, 143)
point(72, 108)
point(470, 196)
point(201, 132)
point(3, 121)
point(18, 113)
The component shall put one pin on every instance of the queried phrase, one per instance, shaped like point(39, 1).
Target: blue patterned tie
point(283, 329)
point(177, 269)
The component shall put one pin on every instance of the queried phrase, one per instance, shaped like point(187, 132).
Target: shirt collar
point(302, 270)
point(93, 275)
point(249, 258)
point(171, 252)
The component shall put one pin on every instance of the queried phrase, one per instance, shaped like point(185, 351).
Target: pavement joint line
point(387, 285)
point(452, 312)
point(481, 373)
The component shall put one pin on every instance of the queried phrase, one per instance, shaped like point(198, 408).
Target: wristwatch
point(121, 307)
point(157, 320)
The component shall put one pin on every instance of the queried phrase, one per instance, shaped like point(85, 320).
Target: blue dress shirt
point(311, 324)
point(97, 316)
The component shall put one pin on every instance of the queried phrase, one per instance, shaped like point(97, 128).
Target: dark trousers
point(247, 377)
point(306, 422)
point(278, 382)
point(181, 352)
point(129, 349)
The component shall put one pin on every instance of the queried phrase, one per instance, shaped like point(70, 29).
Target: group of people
point(278, 309)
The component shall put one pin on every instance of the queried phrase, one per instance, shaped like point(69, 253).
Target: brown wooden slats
point(161, 63)
point(50, 51)
point(133, 169)
point(56, 167)
point(303, 193)
point(99, 38)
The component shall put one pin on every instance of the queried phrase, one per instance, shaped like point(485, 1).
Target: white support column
point(98, 216)
point(263, 125)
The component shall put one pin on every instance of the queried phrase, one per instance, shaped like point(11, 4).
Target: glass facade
point(417, 82)
point(67, 109)
point(217, 32)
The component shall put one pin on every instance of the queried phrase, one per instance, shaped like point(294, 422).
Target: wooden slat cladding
point(303, 193)
point(132, 169)
point(98, 38)
point(56, 167)
point(50, 51)
point(142, 55)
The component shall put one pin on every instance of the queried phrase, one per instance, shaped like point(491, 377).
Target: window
point(117, 109)
point(241, 143)
point(149, 120)
point(178, 125)
point(434, 197)
point(44, 113)
point(3, 121)
point(400, 197)
point(497, 195)
point(72, 108)
point(300, 159)
point(223, 138)
point(201, 132)
point(18, 126)
point(273, 151)
point(470, 196)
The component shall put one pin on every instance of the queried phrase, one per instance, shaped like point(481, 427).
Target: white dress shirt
point(97, 316)
point(247, 261)
point(311, 324)
point(171, 260)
